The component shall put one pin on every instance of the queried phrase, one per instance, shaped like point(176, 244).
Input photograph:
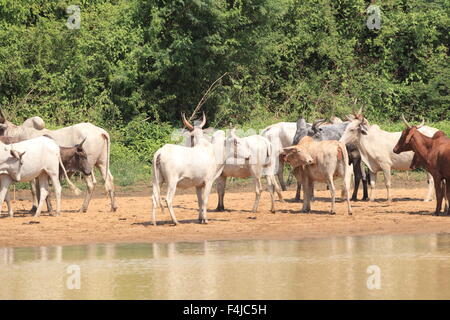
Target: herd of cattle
point(317, 152)
point(32, 153)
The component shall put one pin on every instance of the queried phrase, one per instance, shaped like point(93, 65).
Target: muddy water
point(336, 268)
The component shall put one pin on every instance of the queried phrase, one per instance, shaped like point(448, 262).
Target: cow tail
point(156, 180)
point(269, 151)
point(108, 151)
point(71, 185)
point(344, 160)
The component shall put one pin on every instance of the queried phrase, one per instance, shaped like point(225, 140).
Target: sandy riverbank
point(406, 215)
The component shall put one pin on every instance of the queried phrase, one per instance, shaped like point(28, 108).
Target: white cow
point(41, 159)
point(96, 146)
point(376, 145)
point(185, 167)
point(246, 157)
point(10, 164)
point(280, 135)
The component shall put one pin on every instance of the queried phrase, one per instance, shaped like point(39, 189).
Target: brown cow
point(320, 161)
point(433, 153)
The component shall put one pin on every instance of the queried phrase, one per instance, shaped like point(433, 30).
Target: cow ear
point(363, 129)
point(409, 136)
point(292, 148)
point(14, 154)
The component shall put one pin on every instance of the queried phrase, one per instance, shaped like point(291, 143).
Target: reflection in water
point(411, 267)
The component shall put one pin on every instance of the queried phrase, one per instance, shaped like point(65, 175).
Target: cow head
point(4, 124)
point(81, 159)
point(355, 129)
point(195, 132)
point(236, 148)
point(76, 160)
point(403, 143)
point(297, 156)
point(302, 130)
point(11, 162)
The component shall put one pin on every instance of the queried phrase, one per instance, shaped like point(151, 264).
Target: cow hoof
point(220, 209)
point(33, 209)
point(354, 199)
point(332, 212)
point(203, 221)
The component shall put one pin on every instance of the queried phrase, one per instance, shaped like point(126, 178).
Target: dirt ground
point(131, 223)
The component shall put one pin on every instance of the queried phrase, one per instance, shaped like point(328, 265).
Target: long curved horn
point(2, 116)
point(186, 123)
point(316, 124)
point(203, 120)
point(406, 122)
point(421, 124)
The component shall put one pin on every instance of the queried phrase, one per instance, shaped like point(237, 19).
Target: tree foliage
point(152, 59)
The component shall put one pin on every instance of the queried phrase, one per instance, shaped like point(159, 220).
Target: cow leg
point(307, 194)
point(156, 199)
point(332, 188)
point(90, 184)
point(447, 200)
point(221, 185)
point(373, 181)
point(5, 182)
point(271, 180)
point(206, 192)
point(49, 203)
point(8, 203)
point(439, 195)
point(199, 191)
point(43, 190)
point(430, 188)
point(365, 180)
point(58, 190)
point(34, 194)
point(171, 188)
point(358, 177)
point(280, 175)
point(277, 188)
point(387, 182)
point(297, 193)
point(257, 193)
point(109, 185)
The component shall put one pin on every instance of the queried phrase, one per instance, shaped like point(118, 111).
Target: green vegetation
point(133, 66)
